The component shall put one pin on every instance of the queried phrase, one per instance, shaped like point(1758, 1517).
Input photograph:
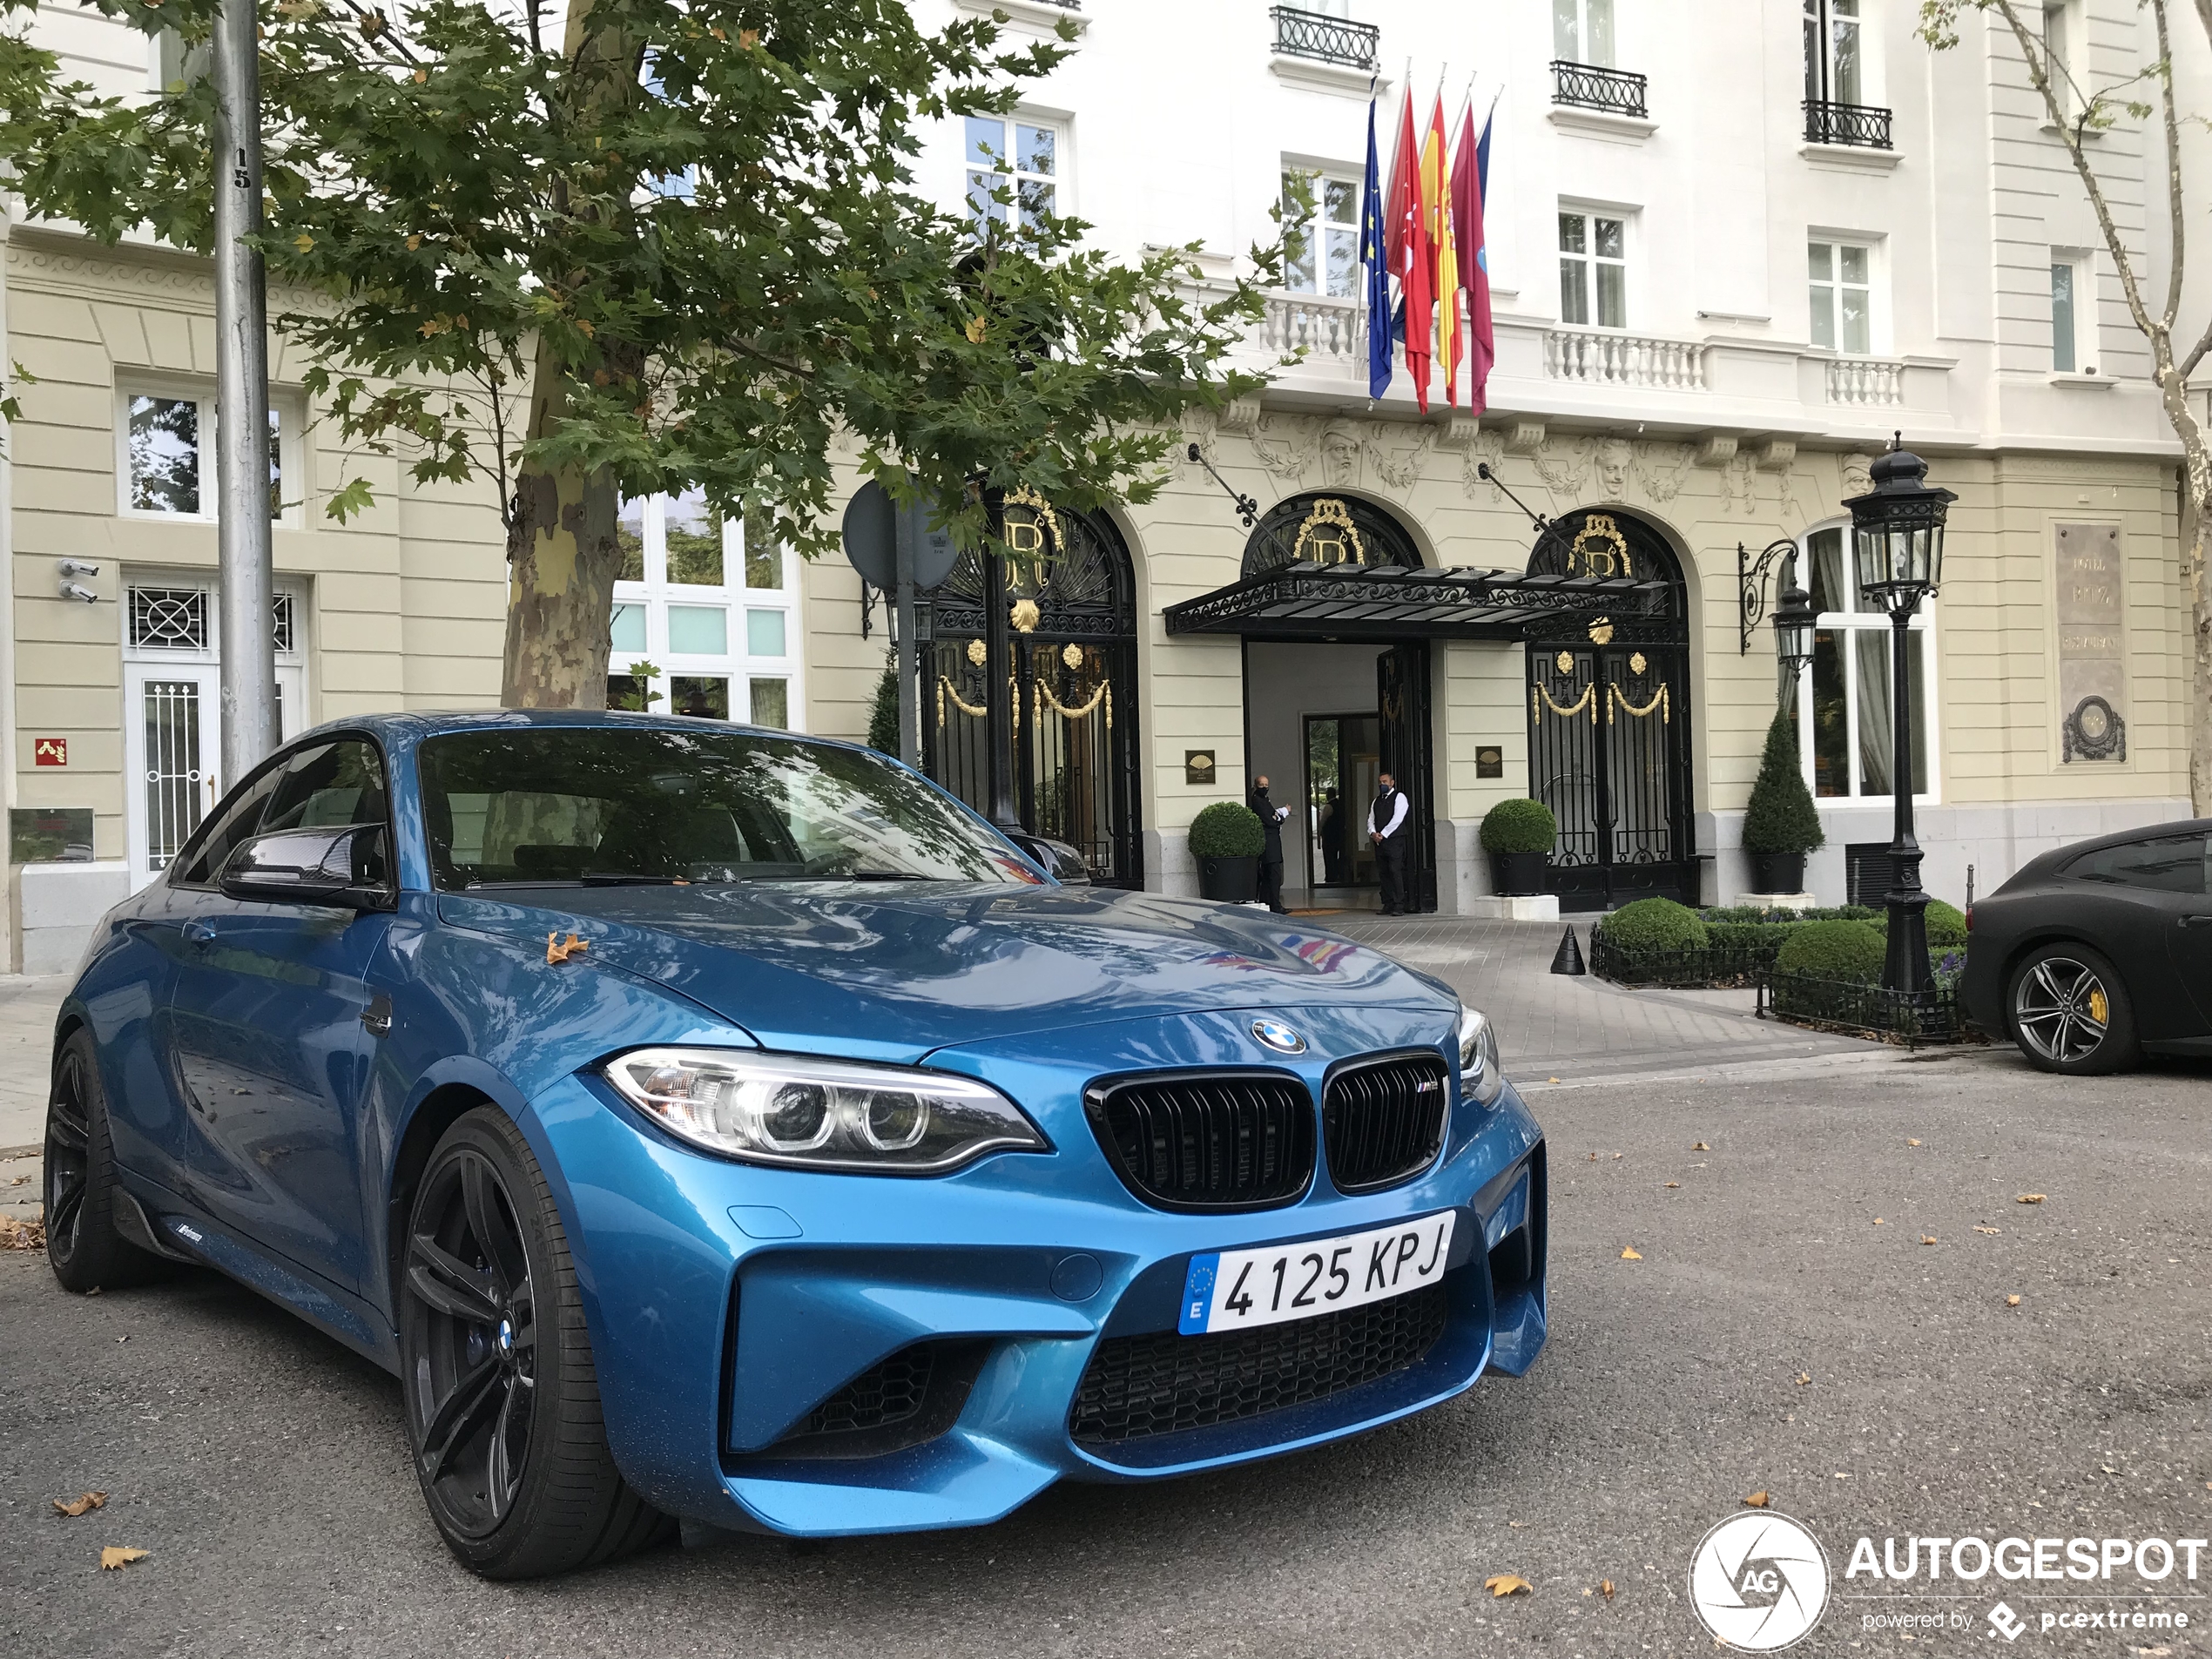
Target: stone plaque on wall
point(2092, 659)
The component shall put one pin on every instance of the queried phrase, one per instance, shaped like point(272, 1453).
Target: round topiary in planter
point(1850, 951)
point(1519, 836)
point(1654, 925)
point(1781, 824)
point(1226, 840)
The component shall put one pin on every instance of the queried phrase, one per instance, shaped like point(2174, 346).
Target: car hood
point(892, 971)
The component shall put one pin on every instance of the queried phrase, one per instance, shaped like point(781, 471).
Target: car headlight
point(820, 1114)
point(1482, 1073)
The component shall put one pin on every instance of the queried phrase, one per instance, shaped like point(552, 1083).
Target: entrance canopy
point(1387, 603)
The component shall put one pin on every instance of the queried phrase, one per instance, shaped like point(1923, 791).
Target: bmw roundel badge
point(1279, 1036)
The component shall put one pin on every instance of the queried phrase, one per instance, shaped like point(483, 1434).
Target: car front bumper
point(935, 1335)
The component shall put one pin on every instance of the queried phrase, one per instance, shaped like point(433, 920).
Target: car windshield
point(592, 805)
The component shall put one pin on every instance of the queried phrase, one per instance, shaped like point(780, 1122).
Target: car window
point(328, 788)
point(238, 819)
point(2169, 864)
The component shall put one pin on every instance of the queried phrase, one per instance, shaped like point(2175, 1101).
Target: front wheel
point(502, 1404)
point(2071, 1013)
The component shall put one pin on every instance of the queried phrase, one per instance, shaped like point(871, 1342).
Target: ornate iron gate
point(1073, 688)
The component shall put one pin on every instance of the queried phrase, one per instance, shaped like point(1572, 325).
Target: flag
point(1374, 267)
point(1436, 213)
point(1413, 260)
point(1470, 176)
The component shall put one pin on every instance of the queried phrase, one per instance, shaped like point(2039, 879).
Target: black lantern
point(1899, 526)
point(1793, 633)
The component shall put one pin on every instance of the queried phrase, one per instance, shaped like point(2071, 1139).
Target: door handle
point(2196, 921)
point(199, 933)
point(376, 1018)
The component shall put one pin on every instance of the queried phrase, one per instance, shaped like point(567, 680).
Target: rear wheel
point(83, 1246)
point(2071, 1013)
point(502, 1402)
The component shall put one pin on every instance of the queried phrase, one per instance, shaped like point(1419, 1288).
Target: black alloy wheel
point(502, 1404)
point(2071, 1013)
point(83, 1246)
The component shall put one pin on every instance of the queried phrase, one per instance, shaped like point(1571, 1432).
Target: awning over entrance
point(1389, 602)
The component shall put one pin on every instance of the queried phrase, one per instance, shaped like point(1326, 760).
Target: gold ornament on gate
point(1024, 616)
point(1073, 655)
point(1332, 535)
point(1611, 559)
point(976, 652)
point(1565, 662)
point(1637, 663)
point(1033, 538)
point(1601, 631)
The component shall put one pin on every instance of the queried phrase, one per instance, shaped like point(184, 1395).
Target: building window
point(1832, 52)
point(2061, 45)
point(1844, 714)
point(1582, 31)
point(1022, 156)
point(708, 604)
point(2069, 292)
point(1325, 256)
point(168, 457)
point(1840, 285)
point(1593, 269)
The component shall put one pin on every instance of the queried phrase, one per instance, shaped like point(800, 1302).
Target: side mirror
point(345, 867)
point(1057, 858)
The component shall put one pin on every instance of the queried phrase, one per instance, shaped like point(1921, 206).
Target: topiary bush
point(883, 715)
point(1838, 950)
point(1780, 817)
point(1227, 829)
point(1519, 825)
point(1656, 925)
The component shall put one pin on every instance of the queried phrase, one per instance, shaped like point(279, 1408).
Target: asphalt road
point(1772, 1336)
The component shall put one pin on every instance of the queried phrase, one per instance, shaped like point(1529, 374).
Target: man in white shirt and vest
point(1390, 828)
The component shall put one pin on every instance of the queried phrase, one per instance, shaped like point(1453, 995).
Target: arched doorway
point(1609, 722)
point(1070, 582)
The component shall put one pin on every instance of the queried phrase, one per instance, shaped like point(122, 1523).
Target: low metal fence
point(1932, 1016)
point(1717, 966)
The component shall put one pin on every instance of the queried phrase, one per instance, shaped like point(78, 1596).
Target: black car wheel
point(2071, 1013)
point(83, 1246)
point(502, 1403)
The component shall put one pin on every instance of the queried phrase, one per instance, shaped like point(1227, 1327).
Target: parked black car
point(2097, 953)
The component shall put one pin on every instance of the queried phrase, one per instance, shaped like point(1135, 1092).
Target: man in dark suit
point(1390, 828)
point(1333, 874)
point(1271, 857)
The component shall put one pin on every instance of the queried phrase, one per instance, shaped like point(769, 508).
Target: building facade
point(1735, 247)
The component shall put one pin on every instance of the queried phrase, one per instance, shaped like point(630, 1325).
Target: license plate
point(1232, 1290)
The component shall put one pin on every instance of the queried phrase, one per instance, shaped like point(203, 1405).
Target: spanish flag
point(1436, 215)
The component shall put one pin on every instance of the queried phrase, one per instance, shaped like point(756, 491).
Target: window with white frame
point(1325, 252)
point(2062, 44)
point(1846, 718)
point(1582, 31)
point(713, 606)
point(1839, 282)
point(1833, 53)
point(165, 455)
point(2072, 314)
point(1593, 269)
point(1023, 155)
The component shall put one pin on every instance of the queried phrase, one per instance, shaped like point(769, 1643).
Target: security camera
point(78, 590)
point(78, 567)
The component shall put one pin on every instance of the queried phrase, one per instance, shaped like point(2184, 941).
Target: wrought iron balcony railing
point(1329, 40)
point(1863, 124)
point(1617, 91)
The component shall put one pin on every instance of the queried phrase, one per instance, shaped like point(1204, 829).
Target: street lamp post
point(1898, 528)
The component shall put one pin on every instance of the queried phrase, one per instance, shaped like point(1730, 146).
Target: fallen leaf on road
point(1674, 1184)
point(1551, 1080)
point(1878, 1221)
point(2014, 1302)
point(1754, 1500)
point(1617, 1158)
point(1927, 1238)
point(116, 1556)
point(1804, 1378)
point(1593, 1158)
point(1988, 1230)
point(1505, 1584)
point(83, 1506)
point(2151, 1653)
point(2029, 1197)
point(1700, 1147)
point(1842, 1475)
point(1629, 1254)
point(1605, 1588)
point(22, 1235)
point(1912, 1143)
point(1516, 1523)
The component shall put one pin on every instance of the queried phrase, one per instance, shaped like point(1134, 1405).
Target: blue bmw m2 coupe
point(708, 1122)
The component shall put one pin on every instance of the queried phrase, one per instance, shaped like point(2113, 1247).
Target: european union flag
point(1375, 269)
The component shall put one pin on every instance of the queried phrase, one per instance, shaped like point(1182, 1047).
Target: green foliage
point(1837, 950)
point(1946, 925)
point(883, 716)
point(638, 696)
point(1519, 825)
point(1227, 829)
point(1781, 817)
point(1656, 925)
point(1814, 913)
point(662, 243)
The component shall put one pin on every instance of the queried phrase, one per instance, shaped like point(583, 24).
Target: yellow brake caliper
point(2100, 1010)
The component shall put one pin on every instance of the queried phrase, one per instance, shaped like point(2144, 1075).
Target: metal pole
point(242, 403)
point(998, 695)
point(903, 623)
point(1905, 967)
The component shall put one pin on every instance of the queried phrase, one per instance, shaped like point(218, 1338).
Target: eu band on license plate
point(1232, 1290)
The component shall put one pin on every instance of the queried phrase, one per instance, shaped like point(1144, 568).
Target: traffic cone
point(1569, 957)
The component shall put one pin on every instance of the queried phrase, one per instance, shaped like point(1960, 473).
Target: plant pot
point(1230, 880)
point(1777, 871)
point(1518, 875)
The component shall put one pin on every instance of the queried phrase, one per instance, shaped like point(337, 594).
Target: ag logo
point(1759, 1581)
point(1280, 1037)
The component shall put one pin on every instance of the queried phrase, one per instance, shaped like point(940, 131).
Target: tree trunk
point(2198, 595)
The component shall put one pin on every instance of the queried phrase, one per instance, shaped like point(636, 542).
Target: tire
point(2070, 1012)
point(83, 1245)
point(502, 1405)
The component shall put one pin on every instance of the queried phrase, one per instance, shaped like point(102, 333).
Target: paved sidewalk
point(27, 1008)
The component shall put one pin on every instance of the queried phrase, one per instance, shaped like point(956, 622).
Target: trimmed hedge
point(1227, 829)
point(1656, 925)
point(1849, 951)
point(1520, 825)
point(1946, 925)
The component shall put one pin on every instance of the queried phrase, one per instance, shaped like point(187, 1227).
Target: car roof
point(416, 724)
point(2045, 863)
